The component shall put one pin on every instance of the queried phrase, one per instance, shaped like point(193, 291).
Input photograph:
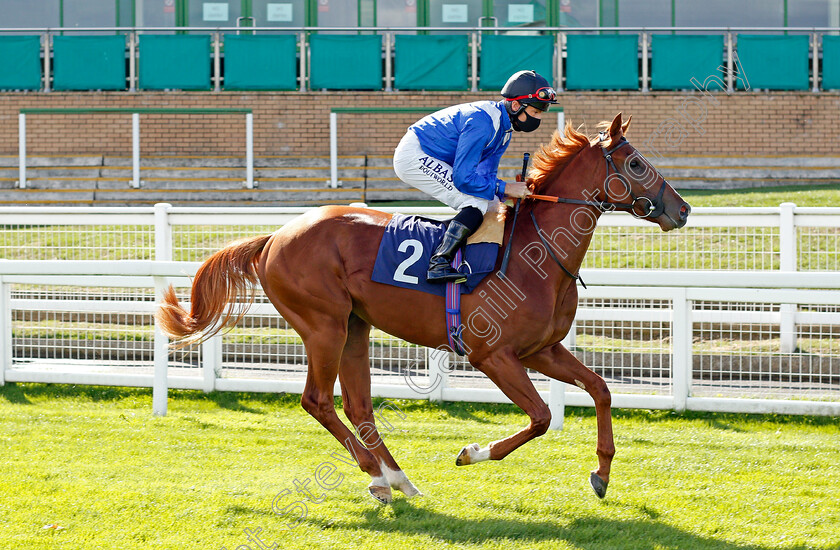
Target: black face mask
point(529, 125)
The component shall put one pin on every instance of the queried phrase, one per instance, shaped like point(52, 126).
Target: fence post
point(160, 386)
point(333, 151)
point(730, 78)
point(561, 122)
point(556, 404)
point(787, 262)
point(474, 58)
point(217, 62)
point(5, 330)
point(645, 69)
point(438, 362)
point(47, 70)
point(163, 233)
point(132, 61)
point(815, 42)
point(211, 362)
point(249, 150)
point(135, 150)
point(303, 61)
point(22, 150)
point(681, 360)
point(388, 63)
point(560, 37)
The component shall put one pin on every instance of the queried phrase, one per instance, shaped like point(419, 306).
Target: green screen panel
point(501, 56)
point(89, 63)
point(20, 62)
point(677, 59)
point(260, 62)
point(602, 62)
point(773, 62)
point(831, 62)
point(345, 62)
point(174, 62)
point(431, 62)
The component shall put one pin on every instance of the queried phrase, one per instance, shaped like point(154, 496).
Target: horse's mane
point(552, 158)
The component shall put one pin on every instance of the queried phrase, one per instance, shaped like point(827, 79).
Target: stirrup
point(447, 274)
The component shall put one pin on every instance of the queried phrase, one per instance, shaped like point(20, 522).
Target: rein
point(653, 209)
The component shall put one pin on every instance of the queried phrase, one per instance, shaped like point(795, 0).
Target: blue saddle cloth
point(407, 246)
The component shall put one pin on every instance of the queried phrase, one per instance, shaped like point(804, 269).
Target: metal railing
point(475, 33)
point(135, 135)
point(679, 383)
point(737, 339)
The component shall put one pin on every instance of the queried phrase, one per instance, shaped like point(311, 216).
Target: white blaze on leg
point(477, 454)
point(398, 480)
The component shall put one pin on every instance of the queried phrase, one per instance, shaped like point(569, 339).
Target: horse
point(316, 270)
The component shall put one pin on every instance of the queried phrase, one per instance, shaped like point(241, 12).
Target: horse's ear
point(626, 125)
point(615, 127)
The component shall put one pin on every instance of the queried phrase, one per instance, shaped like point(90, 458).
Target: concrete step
point(37, 161)
point(87, 172)
point(179, 161)
point(36, 197)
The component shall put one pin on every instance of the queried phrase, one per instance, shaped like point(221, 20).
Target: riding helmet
point(529, 88)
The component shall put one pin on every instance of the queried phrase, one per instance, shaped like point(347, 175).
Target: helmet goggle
point(541, 99)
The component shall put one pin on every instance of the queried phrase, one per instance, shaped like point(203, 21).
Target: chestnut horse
point(316, 270)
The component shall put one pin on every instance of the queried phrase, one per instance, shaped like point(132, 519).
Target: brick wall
point(295, 124)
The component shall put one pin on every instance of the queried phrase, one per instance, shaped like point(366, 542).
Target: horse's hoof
point(598, 485)
point(380, 494)
point(465, 456)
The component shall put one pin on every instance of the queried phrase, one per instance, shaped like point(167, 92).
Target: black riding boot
point(440, 268)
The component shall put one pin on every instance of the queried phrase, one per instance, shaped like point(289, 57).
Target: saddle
point(409, 242)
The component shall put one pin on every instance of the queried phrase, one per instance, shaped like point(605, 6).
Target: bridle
point(653, 208)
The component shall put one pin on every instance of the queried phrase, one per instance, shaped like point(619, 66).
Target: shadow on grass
point(589, 533)
point(14, 393)
point(22, 392)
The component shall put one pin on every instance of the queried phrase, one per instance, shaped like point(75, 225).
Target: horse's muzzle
point(685, 210)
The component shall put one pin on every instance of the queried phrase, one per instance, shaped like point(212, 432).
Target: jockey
point(453, 155)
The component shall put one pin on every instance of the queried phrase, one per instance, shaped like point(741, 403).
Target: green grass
point(95, 462)
point(817, 195)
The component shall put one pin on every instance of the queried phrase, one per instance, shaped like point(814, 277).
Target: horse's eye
point(634, 164)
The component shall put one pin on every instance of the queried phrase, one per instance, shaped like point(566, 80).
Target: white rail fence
point(755, 340)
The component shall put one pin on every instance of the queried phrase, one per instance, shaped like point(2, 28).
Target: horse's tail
point(226, 277)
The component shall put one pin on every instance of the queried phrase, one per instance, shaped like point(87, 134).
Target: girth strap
point(453, 310)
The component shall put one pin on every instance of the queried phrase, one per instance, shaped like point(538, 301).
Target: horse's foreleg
point(506, 371)
point(354, 375)
point(557, 362)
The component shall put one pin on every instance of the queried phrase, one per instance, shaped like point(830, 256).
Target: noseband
point(653, 208)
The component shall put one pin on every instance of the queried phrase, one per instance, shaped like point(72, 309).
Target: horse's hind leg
point(557, 362)
point(324, 348)
point(354, 374)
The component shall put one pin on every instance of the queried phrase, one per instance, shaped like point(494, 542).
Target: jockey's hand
point(517, 190)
